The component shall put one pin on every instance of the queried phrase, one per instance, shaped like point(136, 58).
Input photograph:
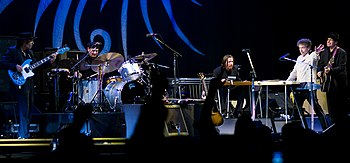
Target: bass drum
point(125, 92)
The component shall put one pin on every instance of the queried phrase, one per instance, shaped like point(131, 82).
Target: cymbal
point(145, 57)
point(109, 62)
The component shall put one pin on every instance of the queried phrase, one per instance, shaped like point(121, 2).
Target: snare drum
point(130, 71)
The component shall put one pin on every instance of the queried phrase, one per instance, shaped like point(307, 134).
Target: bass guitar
point(19, 78)
point(216, 116)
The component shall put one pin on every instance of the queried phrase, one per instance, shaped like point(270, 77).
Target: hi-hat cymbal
point(109, 62)
point(145, 57)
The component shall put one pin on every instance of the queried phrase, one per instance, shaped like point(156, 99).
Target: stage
point(110, 130)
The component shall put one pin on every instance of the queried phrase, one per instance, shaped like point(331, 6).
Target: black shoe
point(236, 114)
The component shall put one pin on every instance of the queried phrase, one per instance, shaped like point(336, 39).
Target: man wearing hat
point(12, 60)
point(333, 74)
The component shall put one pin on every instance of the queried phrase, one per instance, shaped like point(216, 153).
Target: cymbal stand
point(102, 101)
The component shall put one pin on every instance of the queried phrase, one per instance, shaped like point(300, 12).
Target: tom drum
point(87, 90)
point(130, 71)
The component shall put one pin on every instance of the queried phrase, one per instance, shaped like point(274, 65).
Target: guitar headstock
point(62, 50)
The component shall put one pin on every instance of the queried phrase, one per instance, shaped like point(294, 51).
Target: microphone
point(151, 34)
point(244, 50)
point(284, 56)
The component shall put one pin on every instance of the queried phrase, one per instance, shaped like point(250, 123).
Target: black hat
point(94, 44)
point(334, 36)
point(26, 36)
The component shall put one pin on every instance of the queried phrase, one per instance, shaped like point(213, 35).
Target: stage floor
point(110, 130)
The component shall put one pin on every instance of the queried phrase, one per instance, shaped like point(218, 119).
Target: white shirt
point(301, 71)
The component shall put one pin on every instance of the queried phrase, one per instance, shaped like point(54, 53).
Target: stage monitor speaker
point(110, 125)
point(175, 123)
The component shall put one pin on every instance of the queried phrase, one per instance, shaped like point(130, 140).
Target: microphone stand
point(253, 75)
point(312, 97)
point(176, 55)
point(73, 68)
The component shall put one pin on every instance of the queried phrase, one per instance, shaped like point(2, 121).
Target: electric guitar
point(19, 78)
point(216, 116)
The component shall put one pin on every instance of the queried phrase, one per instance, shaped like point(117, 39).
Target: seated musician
point(302, 73)
point(224, 71)
point(93, 50)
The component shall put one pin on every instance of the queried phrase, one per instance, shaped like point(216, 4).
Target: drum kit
point(131, 87)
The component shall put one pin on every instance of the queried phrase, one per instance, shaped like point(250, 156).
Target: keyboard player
point(304, 71)
point(224, 71)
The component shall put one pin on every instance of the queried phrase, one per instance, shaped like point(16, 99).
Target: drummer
point(85, 67)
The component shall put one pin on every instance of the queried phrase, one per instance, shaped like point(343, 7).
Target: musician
point(226, 69)
point(301, 72)
point(13, 60)
point(336, 94)
point(85, 67)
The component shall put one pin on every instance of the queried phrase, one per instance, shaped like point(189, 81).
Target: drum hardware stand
point(102, 98)
point(56, 79)
point(176, 55)
point(73, 96)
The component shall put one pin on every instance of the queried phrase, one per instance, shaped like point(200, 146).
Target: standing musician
point(333, 73)
point(226, 69)
point(301, 72)
point(13, 60)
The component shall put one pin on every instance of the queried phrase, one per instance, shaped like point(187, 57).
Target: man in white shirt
point(304, 71)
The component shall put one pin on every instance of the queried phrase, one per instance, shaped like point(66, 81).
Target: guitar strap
point(332, 58)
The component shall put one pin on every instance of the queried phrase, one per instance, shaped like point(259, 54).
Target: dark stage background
point(202, 31)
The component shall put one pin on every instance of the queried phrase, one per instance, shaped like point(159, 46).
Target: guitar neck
point(42, 61)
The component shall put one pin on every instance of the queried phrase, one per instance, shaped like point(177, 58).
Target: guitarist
point(226, 69)
point(332, 63)
point(12, 60)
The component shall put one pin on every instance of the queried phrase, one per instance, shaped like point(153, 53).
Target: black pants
point(236, 93)
point(304, 94)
